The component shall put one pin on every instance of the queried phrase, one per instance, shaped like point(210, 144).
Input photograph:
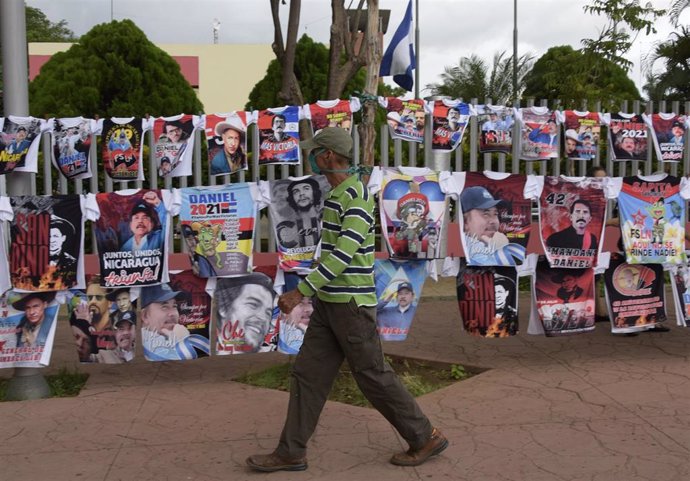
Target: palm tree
point(471, 78)
point(677, 8)
point(672, 82)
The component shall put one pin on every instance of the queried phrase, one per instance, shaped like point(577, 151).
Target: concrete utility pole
point(27, 383)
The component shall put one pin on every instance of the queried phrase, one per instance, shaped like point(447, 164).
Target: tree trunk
point(343, 45)
point(290, 90)
point(373, 59)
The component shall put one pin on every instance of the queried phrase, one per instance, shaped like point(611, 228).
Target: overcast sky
point(449, 29)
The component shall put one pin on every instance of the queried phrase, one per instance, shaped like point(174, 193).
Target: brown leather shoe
point(274, 462)
point(414, 457)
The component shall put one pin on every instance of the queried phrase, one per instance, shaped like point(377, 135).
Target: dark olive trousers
point(346, 331)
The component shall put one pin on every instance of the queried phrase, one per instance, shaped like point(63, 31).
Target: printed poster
point(496, 219)
point(488, 301)
point(449, 121)
point(19, 141)
point(582, 134)
point(571, 219)
point(279, 136)
point(627, 136)
point(331, 113)
point(564, 299)
point(406, 118)
point(668, 133)
point(496, 128)
point(226, 137)
point(122, 148)
point(46, 242)
point(103, 323)
point(398, 290)
point(174, 145)
point(680, 281)
point(296, 208)
point(131, 234)
point(71, 146)
point(539, 133)
point(165, 334)
point(634, 294)
point(27, 328)
point(652, 213)
point(217, 225)
point(293, 326)
point(412, 211)
point(246, 314)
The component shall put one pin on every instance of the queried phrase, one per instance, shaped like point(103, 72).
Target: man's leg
point(355, 328)
point(315, 369)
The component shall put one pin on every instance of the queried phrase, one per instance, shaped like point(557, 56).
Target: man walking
point(343, 325)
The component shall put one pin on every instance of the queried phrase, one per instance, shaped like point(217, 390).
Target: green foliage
point(418, 377)
point(40, 29)
point(114, 70)
point(624, 17)
point(574, 76)
point(311, 70)
point(458, 372)
point(672, 82)
point(66, 383)
point(471, 78)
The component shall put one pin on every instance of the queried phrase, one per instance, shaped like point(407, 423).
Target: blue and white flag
point(399, 59)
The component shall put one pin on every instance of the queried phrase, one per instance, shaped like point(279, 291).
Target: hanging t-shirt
point(488, 300)
point(296, 208)
point(19, 140)
point(412, 203)
point(245, 313)
point(680, 281)
point(668, 134)
point(582, 134)
point(122, 146)
point(293, 326)
point(449, 121)
point(634, 295)
point(279, 135)
point(132, 236)
point(72, 146)
point(572, 212)
point(26, 339)
point(496, 216)
point(47, 240)
point(175, 319)
point(564, 299)
point(495, 127)
point(538, 133)
point(226, 137)
point(398, 290)
point(652, 212)
point(174, 144)
point(331, 113)
point(627, 136)
point(103, 323)
point(405, 118)
point(217, 225)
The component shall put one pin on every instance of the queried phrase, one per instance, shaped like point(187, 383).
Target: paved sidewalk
point(592, 407)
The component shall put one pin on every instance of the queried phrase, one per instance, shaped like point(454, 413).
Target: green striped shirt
point(346, 269)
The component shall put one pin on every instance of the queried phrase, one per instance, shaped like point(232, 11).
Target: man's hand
point(288, 301)
point(152, 198)
point(82, 312)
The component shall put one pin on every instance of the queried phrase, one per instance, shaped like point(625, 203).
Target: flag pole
point(416, 47)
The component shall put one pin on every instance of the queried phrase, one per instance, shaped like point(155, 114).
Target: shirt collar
point(341, 188)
